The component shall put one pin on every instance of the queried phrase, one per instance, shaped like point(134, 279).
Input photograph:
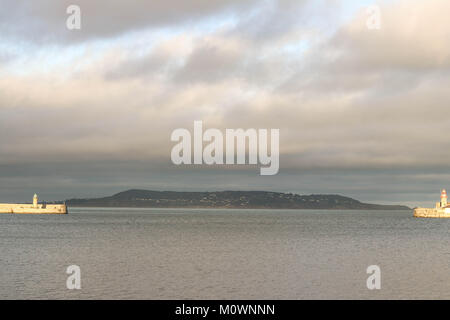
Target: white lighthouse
point(35, 201)
point(442, 209)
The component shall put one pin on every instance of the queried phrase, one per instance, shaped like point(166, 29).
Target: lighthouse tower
point(35, 201)
point(443, 198)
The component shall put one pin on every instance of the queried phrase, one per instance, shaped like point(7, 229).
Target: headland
point(228, 199)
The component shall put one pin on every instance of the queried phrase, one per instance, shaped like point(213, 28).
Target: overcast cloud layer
point(361, 112)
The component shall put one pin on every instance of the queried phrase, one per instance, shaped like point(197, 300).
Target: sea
point(224, 254)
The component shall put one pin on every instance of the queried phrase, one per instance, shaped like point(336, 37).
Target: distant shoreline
point(228, 200)
point(228, 208)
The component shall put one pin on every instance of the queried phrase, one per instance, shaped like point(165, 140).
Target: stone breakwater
point(33, 209)
point(431, 213)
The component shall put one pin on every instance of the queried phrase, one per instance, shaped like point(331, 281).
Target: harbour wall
point(31, 209)
point(431, 213)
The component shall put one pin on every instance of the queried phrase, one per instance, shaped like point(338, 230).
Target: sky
point(362, 112)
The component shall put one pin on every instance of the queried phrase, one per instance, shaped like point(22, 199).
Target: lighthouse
point(442, 209)
point(35, 201)
point(443, 198)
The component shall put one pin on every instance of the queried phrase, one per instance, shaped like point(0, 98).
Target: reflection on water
point(223, 254)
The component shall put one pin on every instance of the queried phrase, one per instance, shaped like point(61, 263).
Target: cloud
point(407, 40)
point(213, 59)
point(45, 21)
point(346, 99)
point(337, 109)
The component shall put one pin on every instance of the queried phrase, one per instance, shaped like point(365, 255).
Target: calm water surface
point(224, 254)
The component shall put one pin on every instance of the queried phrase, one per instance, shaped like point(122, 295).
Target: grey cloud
point(146, 66)
point(407, 51)
point(257, 29)
point(5, 57)
point(210, 62)
point(45, 21)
